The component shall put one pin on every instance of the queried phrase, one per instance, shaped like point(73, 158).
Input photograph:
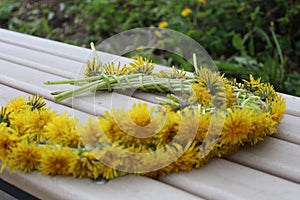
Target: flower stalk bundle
point(205, 116)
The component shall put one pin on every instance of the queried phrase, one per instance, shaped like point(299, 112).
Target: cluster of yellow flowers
point(222, 116)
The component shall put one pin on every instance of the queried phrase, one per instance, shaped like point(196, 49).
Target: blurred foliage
point(242, 36)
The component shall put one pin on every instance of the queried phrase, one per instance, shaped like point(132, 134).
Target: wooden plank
point(54, 48)
point(292, 105)
point(273, 156)
point(43, 45)
point(221, 179)
point(289, 129)
point(128, 187)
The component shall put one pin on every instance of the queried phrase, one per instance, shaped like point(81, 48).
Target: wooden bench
point(269, 170)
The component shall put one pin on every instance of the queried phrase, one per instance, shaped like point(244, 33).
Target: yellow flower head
point(8, 140)
point(92, 69)
point(91, 133)
point(238, 124)
point(170, 128)
point(189, 157)
point(35, 122)
point(277, 107)
point(140, 65)
point(140, 48)
point(263, 125)
point(140, 114)
point(56, 161)
point(138, 125)
point(163, 24)
point(25, 157)
point(158, 163)
point(86, 165)
point(203, 2)
point(36, 102)
point(201, 95)
point(62, 130)
point(4, 116)
point(16, 104)
point(252, 84)
point(185, 12)
point(175, 74)
point(110, 69)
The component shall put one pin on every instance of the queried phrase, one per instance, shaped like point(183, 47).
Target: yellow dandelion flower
point(277, 107)
point(263, 125)
point(265, 91)
point(111, 157)
point(230, 97)
point(36, 121)
point(36, 102)
point(110, 69)
point(16, 104)
point(92, 69)
point(56, 161)
point(8, 141)
point(238, 124)
point(140, 65)
point(224, 150)
point(86, 165)
point(213, 82)
point(201, 95)
point(175, 74)
point(138, 125)
point(203, 125)
point(91, 132)
point(109, 127)
point(4, 113)
point(185, 12)
point(157, 163)
point(170, 128)
point(140, 48)
point(163, 24)
point(188, 125)
point(25, 157)
point(18, 121)
point(203, 2)
point(140, 114)
point(253, 84)
point(189, 157)
point(62, 130)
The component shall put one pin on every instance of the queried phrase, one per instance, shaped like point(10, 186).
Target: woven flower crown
point(34, 137)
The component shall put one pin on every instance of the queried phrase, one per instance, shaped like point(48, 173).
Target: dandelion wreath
point(34, 137)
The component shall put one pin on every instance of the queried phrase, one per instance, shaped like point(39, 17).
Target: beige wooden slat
point(289, 129)
point(292, 105)
point(41, 186)
point(129, 187)
point(52, 47)
point(39, 46)
point(221, 179)
point(31, 81)
point(43, 45)
point(273, 156)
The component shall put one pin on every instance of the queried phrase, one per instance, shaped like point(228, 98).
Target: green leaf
point(237, 41)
